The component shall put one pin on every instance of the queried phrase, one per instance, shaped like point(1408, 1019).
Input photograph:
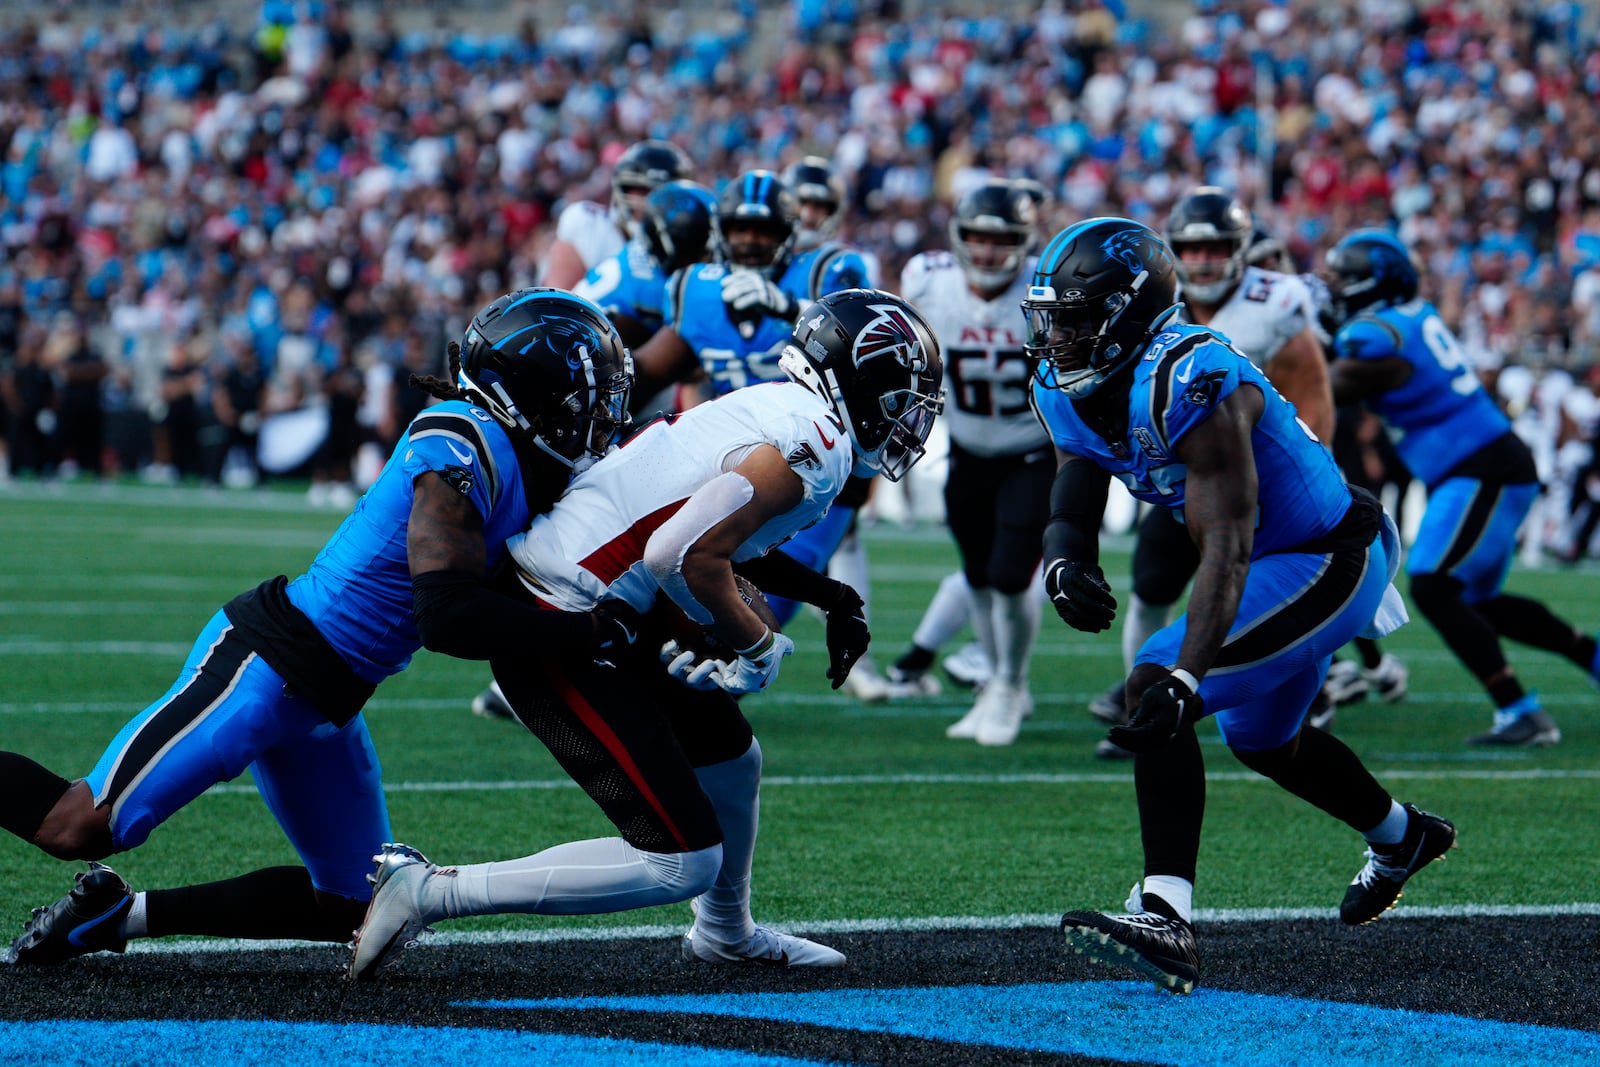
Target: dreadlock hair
point(443, 388)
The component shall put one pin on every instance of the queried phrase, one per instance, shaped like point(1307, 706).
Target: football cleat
point(969, 665)
point(394, 920)
point(88, 919)
point(908, 684)
point(866, 684)
point(1110, 707)
point(1005, 706)
point(1161, 947)
point(1378, 884)
point(766, 947)
point(1388, 679)
point(1345, 684)
point(492, 704)
point(1523, 723)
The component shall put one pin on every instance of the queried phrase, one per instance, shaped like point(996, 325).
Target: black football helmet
point(1268, 253)
point(759, 201)
point(1209, 215)
point(1370, 268)
point(814, 182)
point(875, 361)
point(997, 209)
point(640, 170)
point(677, 224)
point(1102, 289)
point(551, 368)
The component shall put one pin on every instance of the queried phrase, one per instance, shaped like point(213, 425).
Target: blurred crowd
point(206, 227)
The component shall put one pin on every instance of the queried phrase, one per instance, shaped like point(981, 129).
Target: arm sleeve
point(779, 574)
point(1077, 508)
point(458, 614)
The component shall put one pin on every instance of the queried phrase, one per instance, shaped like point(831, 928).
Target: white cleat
point(765, 947)
point(1003, 717)
point(969, 665)
point(866, 684)
point(492, 704)
point(966, 727)
point(911, 685)
point(394, 919)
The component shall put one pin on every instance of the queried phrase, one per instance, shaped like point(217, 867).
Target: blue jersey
point(1181, 378)
point(740, 352)
point(1442, 414)
point(357, 591)
point(629, 283)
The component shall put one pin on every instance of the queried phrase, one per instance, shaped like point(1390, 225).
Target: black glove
point(1164, 709)
point(1081, 595)
point(616, 628)
point(848, 636)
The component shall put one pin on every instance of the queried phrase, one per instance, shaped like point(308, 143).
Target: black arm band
point(458, 614)
point(1077, 507)
point(779, 574)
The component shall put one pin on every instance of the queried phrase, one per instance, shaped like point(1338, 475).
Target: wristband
point(762, 646)
point(1186, 678)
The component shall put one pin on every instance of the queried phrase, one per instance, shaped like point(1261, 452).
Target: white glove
point(756, 667)
point(747, 290)
point(688, 668)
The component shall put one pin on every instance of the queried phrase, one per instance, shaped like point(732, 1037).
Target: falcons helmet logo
point(890, 334)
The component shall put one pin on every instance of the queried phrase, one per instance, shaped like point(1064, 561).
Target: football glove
point(616, 628)
point(745, 291)
point(756, 667)
point(848, 636)
point(1080, 594)
point(689, 667)
point(1164, 709)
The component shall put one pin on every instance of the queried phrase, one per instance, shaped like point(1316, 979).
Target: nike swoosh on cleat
point(73, 937)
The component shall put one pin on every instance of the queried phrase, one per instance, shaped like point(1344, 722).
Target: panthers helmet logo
point(1136, 250)
point(568, 340)
point(890, 333)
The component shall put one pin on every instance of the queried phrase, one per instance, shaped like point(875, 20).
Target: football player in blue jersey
point(730, 318)
point(1292, 565)
point(277, 679)
point(1393, 351)
point(674, 232)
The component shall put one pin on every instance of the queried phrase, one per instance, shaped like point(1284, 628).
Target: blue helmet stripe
point(766, 185)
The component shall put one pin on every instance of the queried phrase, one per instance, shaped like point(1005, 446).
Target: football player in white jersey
point(664, 749)
point(587, 232)
point(1271, 319)
point(1001, 463)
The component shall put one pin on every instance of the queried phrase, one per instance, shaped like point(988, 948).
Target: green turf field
point(868, 812)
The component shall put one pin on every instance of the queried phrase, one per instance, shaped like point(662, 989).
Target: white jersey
point(592, 544)
point(591, 230)
point(986, 373)
point(1264, 311)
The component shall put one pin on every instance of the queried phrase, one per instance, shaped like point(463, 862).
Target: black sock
point(1506, 692)
point(1170, 785)
point(1529, 622)
point(27, 793)
point(918, 659)
point(1371, 654)
point(274, 902)
point(1323, 771)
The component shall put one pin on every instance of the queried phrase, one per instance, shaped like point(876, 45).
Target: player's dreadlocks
point(443, 388)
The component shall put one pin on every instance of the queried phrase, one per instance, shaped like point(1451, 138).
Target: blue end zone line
point(1132, 1021)
point(672, 931)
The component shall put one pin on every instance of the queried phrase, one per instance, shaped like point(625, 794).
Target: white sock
point(1138, 626)
point(947, 613)
point(577, 878)
point(735, 791)
point(849, 565)
point(1016, 625)
point(136, 923)
point(1179, 892)
point(1392, 829)
point(983, 621)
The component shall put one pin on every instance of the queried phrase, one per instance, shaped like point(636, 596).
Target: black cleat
point(1377, 886)
point(88, 919)
point(1162, 948)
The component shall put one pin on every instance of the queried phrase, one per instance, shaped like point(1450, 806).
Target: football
point(691, 635)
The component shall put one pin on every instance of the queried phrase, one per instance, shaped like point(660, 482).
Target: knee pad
point(684, 874)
